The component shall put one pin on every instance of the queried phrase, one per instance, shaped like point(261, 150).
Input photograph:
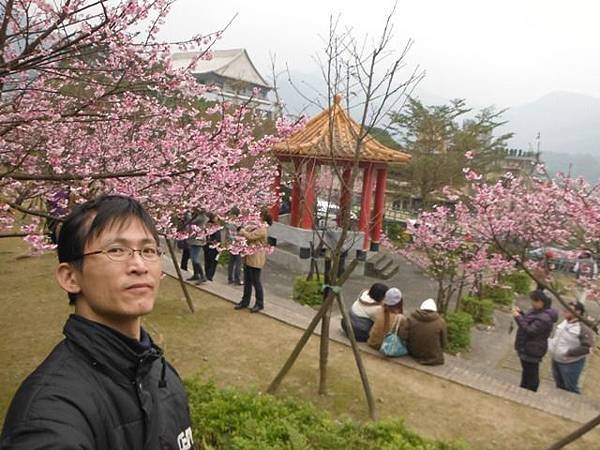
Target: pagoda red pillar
point(277, 191)
point(379, 208)
point(309, 195)
point(365, 206)
point(345, 194)
point(295, 206)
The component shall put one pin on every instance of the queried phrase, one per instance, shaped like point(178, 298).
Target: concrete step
point(393, 270)
point(381, 266)
point(385, 264)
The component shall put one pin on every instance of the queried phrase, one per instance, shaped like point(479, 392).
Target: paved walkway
point(481, 376)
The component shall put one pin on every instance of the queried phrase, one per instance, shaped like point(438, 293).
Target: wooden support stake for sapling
point(361, 368)
point(182, 283)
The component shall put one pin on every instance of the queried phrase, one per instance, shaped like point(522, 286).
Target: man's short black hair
point(88, 220)
point(377, 291)
point(578, 308)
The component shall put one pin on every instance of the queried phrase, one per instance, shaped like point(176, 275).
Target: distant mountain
point(569, 127)
point(585, 166)
point(567, 123)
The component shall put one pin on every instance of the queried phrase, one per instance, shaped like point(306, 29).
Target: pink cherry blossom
point(97, 107)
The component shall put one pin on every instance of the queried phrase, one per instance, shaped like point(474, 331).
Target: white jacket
point(571, 342)
point(365, 307)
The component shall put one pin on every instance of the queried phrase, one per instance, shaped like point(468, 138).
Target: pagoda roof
point(313, 140)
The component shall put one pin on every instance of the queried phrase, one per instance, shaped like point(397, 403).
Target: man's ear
point(67, 278)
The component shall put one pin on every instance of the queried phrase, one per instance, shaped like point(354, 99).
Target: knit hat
point(393, 297)
point(428, 305)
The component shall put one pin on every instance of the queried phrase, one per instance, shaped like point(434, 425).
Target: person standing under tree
point(531, 343)
point(211, 254)
point(198, 220)
point(586, 270)
point(571, 344)
point(234, 265)
point(256, 236)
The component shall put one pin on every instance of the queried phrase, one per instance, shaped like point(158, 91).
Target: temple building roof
point(313, 140)
point(234, 64)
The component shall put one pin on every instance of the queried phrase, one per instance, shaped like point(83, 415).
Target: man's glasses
point(120, 253)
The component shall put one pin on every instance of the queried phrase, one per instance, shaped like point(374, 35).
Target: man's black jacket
point(96, 391)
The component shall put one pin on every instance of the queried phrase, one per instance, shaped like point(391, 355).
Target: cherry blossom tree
point(492, 229)
point(90, 103)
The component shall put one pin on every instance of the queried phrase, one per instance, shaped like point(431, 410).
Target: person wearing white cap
point(387, 317)
point(426, 334)
point(364, 310)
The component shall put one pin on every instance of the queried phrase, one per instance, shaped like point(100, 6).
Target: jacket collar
point(105, 348)
point(424, 315)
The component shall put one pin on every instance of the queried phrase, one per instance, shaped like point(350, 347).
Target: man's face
point(119, 290)
point(568, 314)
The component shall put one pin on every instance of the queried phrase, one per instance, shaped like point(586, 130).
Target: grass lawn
point(238, 349)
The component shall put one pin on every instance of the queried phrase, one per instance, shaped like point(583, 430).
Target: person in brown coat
point(386, 317)
point(254, 263)
point(426, 334)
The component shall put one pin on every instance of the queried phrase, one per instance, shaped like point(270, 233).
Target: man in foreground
point(106, 385)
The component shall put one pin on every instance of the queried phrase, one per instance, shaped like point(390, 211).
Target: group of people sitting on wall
point(379, 311)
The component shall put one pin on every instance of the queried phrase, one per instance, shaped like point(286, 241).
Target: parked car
point(558, 258)
point(330, 211)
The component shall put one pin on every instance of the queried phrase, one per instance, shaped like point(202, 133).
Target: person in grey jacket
point(570, 345)
point(198, 220)
point(234, 266)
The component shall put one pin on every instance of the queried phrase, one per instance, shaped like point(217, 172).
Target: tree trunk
point(459, 294)
point(440, 294)
point(359, 364)
point(324, 352)
point(309, 330)
point(324, 344)
point(182, 283)
point(576, 434)
point(300, 345)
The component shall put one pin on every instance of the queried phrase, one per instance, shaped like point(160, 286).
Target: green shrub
point(519, 281)
point(482, 311)
point(230, 419)
point(224, 258)
point(308, 292)
point(397, 233)
point(459, 331)
point(501, 295)
point(394, 230)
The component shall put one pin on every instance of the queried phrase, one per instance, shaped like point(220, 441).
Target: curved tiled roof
point(313, 140)
point(234, 64)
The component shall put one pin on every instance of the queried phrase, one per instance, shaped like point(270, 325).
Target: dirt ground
point(234, 348)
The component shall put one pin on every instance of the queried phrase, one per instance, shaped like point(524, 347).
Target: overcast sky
point(490, 52)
